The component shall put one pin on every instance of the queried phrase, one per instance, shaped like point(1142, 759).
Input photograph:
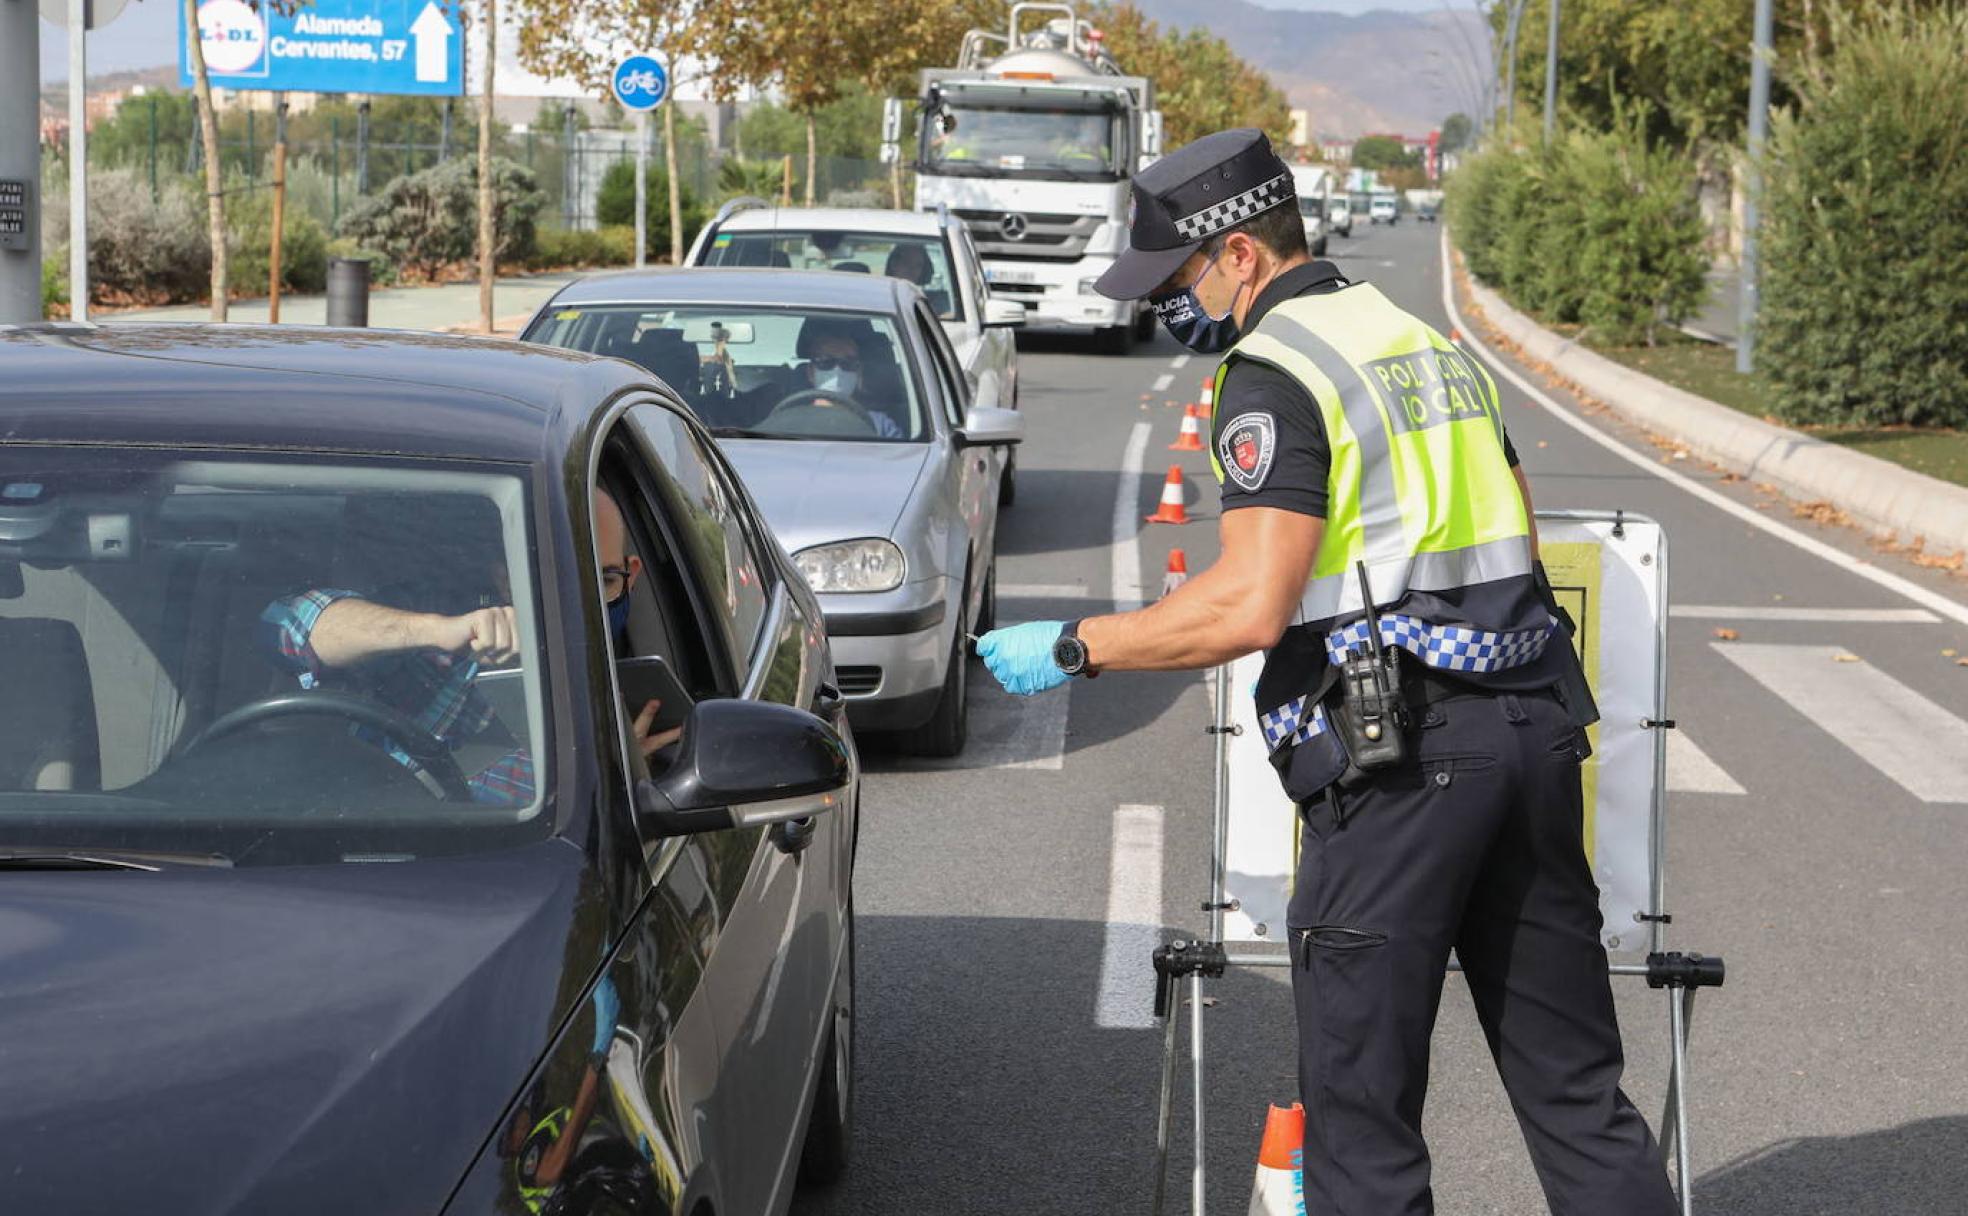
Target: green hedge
point(559, 248)
point(615, 204)
point(1865, 241)
point(429, 219)
point(1600, 229)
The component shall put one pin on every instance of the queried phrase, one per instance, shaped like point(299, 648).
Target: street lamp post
point(1551, 76)
point(1759, 125)
point(20, 159)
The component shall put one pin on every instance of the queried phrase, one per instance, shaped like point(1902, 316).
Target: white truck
point(1032, 140)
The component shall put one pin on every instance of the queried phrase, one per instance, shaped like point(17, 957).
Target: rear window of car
point(920, 259)
point(266, 659)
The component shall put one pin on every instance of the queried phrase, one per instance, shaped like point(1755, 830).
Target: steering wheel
point(805, 405)
point(440, 773)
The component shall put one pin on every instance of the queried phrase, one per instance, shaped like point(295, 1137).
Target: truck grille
point(858, 681)
point(1047, 238)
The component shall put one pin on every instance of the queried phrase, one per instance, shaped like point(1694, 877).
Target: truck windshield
point(1054, 144)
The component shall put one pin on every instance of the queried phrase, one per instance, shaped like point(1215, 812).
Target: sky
point(145, 35)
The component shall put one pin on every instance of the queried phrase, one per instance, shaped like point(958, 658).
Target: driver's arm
point(323, 630)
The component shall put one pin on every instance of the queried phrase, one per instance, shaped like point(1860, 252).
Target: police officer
point(1436, 774)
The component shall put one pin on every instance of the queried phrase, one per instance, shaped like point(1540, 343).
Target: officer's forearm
point(1240, 604)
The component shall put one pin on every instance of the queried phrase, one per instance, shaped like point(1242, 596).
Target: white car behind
point(933, 250)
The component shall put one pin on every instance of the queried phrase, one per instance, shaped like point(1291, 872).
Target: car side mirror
point(999, 314)
point(987, 427)
point(743, 764)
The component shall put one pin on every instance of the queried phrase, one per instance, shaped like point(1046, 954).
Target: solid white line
point(1817, 548)
point(1127, 521)
point(1179, 362)
point(1878, 616)
point(1917, 743)
point(1162, 382)
point(1044, 591)
point(1689, 770)
point(1134, 919)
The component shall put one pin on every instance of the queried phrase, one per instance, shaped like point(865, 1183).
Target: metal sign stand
point(1680, 974)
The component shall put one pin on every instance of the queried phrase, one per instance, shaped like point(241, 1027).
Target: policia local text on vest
point(1420, 698)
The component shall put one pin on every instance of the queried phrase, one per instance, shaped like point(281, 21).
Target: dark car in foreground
point(347, 863)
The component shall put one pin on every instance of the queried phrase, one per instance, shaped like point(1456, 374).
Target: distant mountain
point(1378, 71)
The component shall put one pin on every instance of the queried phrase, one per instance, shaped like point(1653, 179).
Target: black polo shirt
point(1296, 478)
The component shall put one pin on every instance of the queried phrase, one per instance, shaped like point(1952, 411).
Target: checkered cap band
point(1289, 724)
point(1220, 217)
point(1445, 647)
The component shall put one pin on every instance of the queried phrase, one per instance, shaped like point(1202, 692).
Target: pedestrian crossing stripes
point(1690, 771)
point(1915, 742)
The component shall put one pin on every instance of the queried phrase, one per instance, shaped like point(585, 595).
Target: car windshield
point(1310, 207)
point(1054, 144)
point(265, 659)
point(922, 260)
point(769, 373)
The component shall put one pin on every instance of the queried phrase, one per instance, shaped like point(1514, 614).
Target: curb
point(1915, 508)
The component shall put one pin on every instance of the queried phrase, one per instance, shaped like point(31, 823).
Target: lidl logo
point(234, 36)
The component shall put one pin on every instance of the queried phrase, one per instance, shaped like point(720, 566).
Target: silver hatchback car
point(846, 412)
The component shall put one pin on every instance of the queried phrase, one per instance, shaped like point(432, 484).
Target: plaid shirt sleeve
point(287, 632)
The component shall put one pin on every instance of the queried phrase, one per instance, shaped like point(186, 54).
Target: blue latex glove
point(1021, 656)
point(608, 1013)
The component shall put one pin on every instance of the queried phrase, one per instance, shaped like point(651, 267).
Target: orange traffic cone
point(1279, 1190)
point(1171, 510)
point(1191, 438)
point(1455, 335)
point(1209, 397)
point(1178, 571)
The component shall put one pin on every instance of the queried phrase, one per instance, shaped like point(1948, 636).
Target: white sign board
point(1614, 586)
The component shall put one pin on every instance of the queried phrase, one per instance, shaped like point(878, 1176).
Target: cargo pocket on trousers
point(1336, 938)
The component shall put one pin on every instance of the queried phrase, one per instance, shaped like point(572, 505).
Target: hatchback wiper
point(98, 860)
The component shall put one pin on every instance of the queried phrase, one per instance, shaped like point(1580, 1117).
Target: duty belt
point(1448, 649)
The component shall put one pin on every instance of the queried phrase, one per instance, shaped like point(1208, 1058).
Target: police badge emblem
point(1246, 447)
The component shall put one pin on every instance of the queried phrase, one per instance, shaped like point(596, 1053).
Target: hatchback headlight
point(854, 565)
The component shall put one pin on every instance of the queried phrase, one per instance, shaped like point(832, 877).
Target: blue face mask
point(1183, 316)
point(618, 618)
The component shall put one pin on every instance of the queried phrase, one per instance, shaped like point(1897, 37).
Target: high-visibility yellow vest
point(1419, 485)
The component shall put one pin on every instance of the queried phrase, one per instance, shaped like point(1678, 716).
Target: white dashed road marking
point(1127, 521)
point(1829, 616)
point(1134, 919)
point(1904, 735)
point(1162, 382)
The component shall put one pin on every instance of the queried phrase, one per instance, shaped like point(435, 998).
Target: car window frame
point(950, 377)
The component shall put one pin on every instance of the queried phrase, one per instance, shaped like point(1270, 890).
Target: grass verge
point(1708, 370)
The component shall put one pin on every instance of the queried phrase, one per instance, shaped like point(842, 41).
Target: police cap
point(1192, 194)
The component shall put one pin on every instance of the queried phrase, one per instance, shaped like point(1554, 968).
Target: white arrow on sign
point(433, 35)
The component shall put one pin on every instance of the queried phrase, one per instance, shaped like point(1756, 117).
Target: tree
point(585, 41)
point(1455, 132)
point(1201, 85)
point(1383, 152)
point(208, 126)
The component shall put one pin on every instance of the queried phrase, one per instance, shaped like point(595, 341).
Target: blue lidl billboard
point(331, 46)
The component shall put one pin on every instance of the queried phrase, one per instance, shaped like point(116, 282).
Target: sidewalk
point(447, 306)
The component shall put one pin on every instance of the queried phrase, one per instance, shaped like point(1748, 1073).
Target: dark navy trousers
point(1477, 847)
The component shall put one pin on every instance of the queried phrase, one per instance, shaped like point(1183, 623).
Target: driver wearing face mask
point(833, 365)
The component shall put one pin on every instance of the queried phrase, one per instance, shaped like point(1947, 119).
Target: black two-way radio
point(1372, 715)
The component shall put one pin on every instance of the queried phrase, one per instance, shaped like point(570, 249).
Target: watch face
point(1069, 654)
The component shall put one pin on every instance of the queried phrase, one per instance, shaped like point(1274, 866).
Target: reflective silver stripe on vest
point(1380, 509)
point(1338, 595)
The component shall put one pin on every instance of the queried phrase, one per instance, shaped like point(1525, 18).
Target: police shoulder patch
point(1246, 447)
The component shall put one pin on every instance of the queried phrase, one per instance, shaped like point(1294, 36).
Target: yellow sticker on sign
point(1573, 567)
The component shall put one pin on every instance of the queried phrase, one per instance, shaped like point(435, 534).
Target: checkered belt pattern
point(1289, 725)
point(1445, 647)
point(1233, 211)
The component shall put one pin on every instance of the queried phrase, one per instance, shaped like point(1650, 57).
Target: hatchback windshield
point(263, 658)
point(922, 260)
point(765, 373)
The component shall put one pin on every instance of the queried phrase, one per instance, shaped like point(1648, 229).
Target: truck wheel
point(1144, 326)
point(1117, 339)
point(948, 727)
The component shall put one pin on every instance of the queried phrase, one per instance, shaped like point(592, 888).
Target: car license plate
point(997, 274)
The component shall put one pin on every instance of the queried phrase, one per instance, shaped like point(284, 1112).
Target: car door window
point(712, 531)
point(980, 291)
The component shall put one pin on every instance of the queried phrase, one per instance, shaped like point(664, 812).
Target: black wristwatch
point(1070, 653)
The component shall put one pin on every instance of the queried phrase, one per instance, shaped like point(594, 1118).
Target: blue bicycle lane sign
point(640, 83)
